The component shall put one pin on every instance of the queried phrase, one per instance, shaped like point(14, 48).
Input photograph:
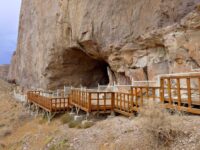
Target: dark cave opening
point(80, 69)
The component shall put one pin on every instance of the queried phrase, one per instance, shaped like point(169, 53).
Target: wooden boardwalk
point(181, 93)
point(48, 104)
point(175, 92)
point(92, 101)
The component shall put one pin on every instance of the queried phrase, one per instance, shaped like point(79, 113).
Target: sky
point(9, 20)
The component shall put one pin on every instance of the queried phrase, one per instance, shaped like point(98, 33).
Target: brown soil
point(150, 130)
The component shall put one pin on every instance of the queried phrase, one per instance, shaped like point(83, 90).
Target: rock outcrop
point(4, 71)
point(88, 42)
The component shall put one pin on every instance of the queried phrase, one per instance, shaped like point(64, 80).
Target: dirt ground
point(153, 129)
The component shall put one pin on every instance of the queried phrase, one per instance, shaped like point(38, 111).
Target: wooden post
point(189, 93)
point(132, 100)
point(147, 90)
point(60, 99)
point(104, 99)
point(136, 97)
point(124, 101)
point(50, 104)
point(128, 102)
point(169, 90)
point(199, 89)
point(97, 101)
point(141, 96)
point(112, 101)
point(153, 93)
point(178, 91)
point(120, 101)
point(117, 99)
point(162, 90)
point(89, 102)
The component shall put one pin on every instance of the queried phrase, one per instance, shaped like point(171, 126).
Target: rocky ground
point(152, 129)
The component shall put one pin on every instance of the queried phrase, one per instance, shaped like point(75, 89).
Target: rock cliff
point(4, 71)
point(88, 42)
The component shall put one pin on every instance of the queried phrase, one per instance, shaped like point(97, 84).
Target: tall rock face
point(86, 42)
point(4, 71)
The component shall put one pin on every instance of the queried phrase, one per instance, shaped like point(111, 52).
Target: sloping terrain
point(152, 129)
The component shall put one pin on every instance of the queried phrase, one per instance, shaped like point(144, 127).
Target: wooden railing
point(177, 92)
point(124, 103)
point(92, 101)
point(145, 93)
point(181, 93)
point(46, 103)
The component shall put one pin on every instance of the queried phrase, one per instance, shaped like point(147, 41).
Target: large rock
point(76, 41)
point(4, 71)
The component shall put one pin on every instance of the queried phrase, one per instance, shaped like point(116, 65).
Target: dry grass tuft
point(86, 124)
point(62, 145)
point(5, 133)
point(66, 118)
point(159, 127)
point(74, 124)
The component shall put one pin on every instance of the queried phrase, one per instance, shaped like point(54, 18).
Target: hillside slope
point(20, 130)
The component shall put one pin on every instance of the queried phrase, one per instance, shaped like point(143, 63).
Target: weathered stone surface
point(73, 41)
point(4, 71)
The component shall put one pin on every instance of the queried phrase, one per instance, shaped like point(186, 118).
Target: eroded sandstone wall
point(76, 41)
point(4, 71)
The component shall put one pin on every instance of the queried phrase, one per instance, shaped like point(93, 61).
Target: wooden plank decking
point(48, 104)
point(170, 93)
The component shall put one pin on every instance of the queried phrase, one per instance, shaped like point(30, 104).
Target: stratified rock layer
point(84, 42)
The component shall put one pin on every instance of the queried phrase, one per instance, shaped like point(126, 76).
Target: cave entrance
point(81, 69)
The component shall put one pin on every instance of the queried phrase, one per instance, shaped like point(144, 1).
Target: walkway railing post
point(113, 101)
point(132, 100)
point(162, 90)
point(89, 102)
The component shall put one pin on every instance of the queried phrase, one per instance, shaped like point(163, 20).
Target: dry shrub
point(159, 127)
point(74, 124)
point(5, 133)
point(66, 118)
point(2, 125)
point(86, 124)
point(62, 145)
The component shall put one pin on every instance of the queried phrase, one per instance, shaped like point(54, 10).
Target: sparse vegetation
point(42, 120)
point(74, 124)
point(159, 126)
point(86, 124)
point(63, 145)
point(2, 125)
point(66, 118)
point(5, 132)
point(48, 140)
point(154, 128)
